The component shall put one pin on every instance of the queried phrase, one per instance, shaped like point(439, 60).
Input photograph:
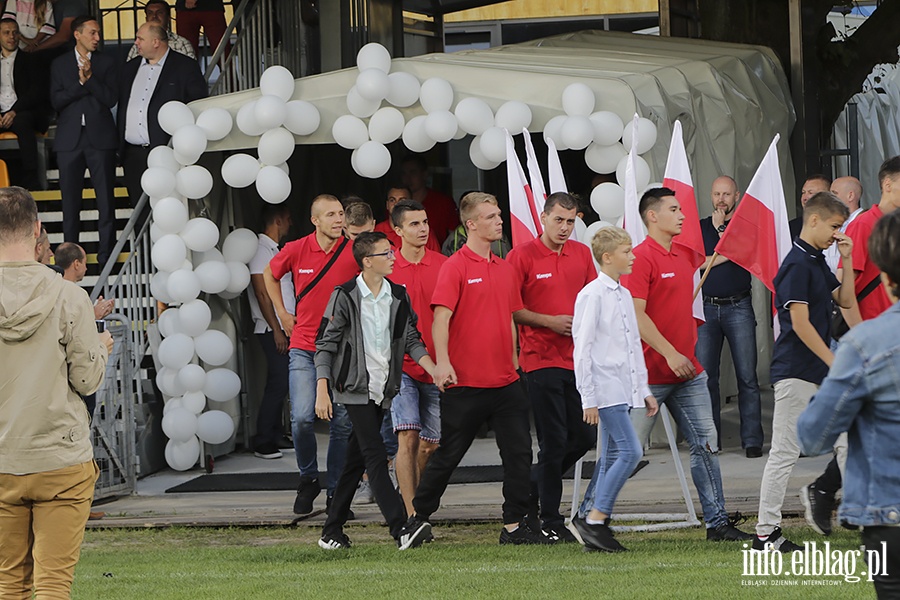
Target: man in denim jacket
point(860, 396)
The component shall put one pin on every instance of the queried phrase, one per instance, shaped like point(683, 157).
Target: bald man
point(849, 191)
point(728, 309)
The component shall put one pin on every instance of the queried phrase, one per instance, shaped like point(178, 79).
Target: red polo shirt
point(443, 215)
point(665, 279)
point(386, 228)
point(483, 295)
point(549, 282)
point(419, 279)
point(304, 259)
point(876, 302)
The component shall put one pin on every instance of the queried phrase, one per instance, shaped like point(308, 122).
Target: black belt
point(720, 301)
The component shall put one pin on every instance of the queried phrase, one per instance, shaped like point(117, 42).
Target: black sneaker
point(285, 443)
point(523, 534)
point(778, 542)
point(307, 491)
point(753, 452)
point(561, 533)
point(415, 533)
point(269, 451)
point(334, 542)
point(728, 532)
point(819, 506)
point(597, 537)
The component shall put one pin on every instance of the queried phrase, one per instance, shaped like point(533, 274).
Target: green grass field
point(465, 561)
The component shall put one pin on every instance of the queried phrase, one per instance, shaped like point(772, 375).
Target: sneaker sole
point(417, 538)
point(326, 546)
point(808, 513)
point(271, 455)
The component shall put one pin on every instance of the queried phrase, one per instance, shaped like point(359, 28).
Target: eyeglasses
point(388, 254)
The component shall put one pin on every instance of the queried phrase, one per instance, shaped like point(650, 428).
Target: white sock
point(591, 521)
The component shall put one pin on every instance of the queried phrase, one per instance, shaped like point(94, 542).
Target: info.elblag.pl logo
point(816, 564)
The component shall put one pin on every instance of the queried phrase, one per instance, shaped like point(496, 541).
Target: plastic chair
point(4, 174)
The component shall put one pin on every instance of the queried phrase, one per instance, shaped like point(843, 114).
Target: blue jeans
point(620, 453)
point(303, 418)
point(737, 324)
point(388, 436)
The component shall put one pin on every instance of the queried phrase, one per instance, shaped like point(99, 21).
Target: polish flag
point(526, 225)
point(678, 178)
point(758, 237)
point(554, 168)
point(534, 174)
point(632, 222)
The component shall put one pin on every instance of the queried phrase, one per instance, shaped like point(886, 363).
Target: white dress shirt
point(375, 313)
point(832, 254)
point(7, 82)
point(609, 359)
point(265, 252)
point(80, 62)
point(136, 130)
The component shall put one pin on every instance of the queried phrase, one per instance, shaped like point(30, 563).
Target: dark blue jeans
point(268, 421)
point(736, 323)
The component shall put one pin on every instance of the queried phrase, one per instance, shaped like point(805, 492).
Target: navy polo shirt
point(727, 279)
point(804, 277)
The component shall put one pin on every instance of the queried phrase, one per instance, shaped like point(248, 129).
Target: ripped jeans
point(690, 407)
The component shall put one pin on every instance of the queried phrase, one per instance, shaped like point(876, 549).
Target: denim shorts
point(418, 407)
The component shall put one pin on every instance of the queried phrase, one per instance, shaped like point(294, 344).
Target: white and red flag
point(534, 174)
point(678, 178)
point(525, 222)
point(632, 222)
point(554, 169)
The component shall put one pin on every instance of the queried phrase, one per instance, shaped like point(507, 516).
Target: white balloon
point(276, 146)
point(359, 106)
point(646, 135)
point(215, 427)
point(577, 132)
point(155, 232)
point(179, 424)
point(386, 125)
point(641, 172)
point(604, 159)
point(269, 112)
point(222, 385)
point(273, 185)
point(441, 125)
point(593, 228)
point(189, 142)
point(167, 382)
point(373, 160)
point(436, 94)
point(214, 276)
point(182, 456)
point(240, 170)
point(184, 160)
point(192, 378)
point(194, 401)
point(514, 116)
point(474, 115)
point(608, 201)
point(373, 56)
point(246, 120)
point(477, 156)
point(159, 290)
point(302, 117)
point(174, 115)
point(240, 246)
point(193, 181)
point(414, 136)
point(578, 100)
point(170, 214)
point(350, 132)
point(373, 85)
point(650, 186)
point(580, 230)
point(183, 285)
point(195, 317)
point(215, 122)
point(200, 234)
point(169, 321)
point(163, 157)
point(404, 89)
point(460, 134)
point(211, 254)
point(173, 403)
point(176, 351)
point(239, 277)
point(608, 127)
point(158, 182)
point(168, 253)
point(553, 131)
point(277, 81)
point(493, 144)
point(213, 347)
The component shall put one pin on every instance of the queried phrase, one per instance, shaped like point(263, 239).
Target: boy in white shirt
point(612, 378)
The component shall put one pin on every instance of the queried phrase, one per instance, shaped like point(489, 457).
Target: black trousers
point(25, 126)
point(829, 481)
point(463, 411)
point(365, 452)
point(269, 428)
point(887, 578)
point(562, 434)
point(102, 166)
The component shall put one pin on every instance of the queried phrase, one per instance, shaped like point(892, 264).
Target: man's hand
point(444, 376)
point(561, 324)
point(844, 244)
point(591, 415)
point(718, 217)
point(7, 119)
point(681, 366)
point(323, 405)
point(652, 406)
point(106, 339)
point(84, 71)
point(103, 307)
point(282, 343)
point(287, 322)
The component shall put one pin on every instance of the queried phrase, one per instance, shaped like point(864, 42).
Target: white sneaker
point(363, 493)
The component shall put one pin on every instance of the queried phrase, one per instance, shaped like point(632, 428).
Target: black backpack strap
point(324, 270)
point(868, 289)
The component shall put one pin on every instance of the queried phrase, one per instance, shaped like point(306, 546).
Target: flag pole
point(705, 275)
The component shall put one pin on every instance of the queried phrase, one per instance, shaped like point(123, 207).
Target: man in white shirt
point(158, 11)
point(269, 332)
point(849, 191)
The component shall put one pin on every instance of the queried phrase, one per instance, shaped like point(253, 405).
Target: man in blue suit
point(83, 90)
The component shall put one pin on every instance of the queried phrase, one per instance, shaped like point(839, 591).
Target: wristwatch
point(721, 228)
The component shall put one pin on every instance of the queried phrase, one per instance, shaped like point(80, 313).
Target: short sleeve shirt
point(804, 277)
point(549, 283)
point(724, 280)
point(483, 295)
point(665, 280)
point(304, 259)
point(266, 251)
point(876, 302)
point(419, 279)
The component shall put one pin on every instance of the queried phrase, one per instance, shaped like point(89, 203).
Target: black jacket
point(94, 100)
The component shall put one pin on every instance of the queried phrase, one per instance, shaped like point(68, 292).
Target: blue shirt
point(727, 279)
point(804, 277)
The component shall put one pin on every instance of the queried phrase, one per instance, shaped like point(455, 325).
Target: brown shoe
point(96, 516)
